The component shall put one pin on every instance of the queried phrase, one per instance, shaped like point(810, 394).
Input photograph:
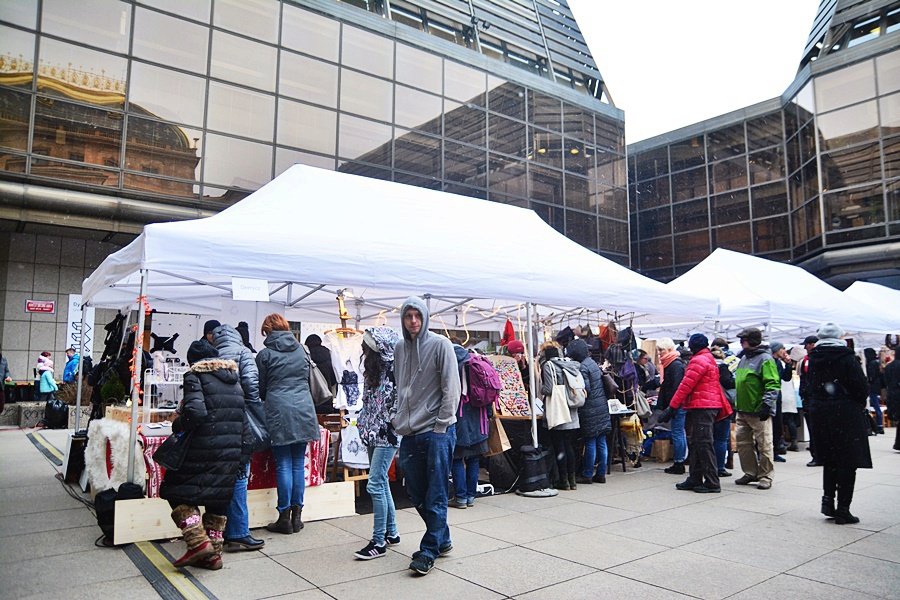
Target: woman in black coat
point(839, 391)
point(593, 417)
point(212, 413)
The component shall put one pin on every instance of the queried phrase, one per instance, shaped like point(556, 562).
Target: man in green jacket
point(757, 384)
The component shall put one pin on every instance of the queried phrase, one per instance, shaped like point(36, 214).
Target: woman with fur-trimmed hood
point(213, 412)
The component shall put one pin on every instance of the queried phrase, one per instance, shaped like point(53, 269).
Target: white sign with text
point(74, 333)
point(254, 290)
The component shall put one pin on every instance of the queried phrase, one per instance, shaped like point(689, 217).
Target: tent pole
point(79, 372)
point(529, 354)
point(135, 383)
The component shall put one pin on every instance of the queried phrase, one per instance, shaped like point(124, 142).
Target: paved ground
point(635, 537)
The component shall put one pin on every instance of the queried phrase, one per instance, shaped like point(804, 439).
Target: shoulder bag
point(641, 405)
point(255, 437)
point(170, 454)
point(318, 386)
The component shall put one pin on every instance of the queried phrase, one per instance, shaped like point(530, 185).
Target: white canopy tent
point(878, 299)
point(312, 234)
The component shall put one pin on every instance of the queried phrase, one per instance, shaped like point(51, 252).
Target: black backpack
point(56, 413)
point(105, 508)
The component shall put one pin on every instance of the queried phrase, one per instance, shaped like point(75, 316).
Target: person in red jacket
point(701, 395)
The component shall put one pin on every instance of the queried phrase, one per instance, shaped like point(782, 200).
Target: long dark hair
point(372, 367)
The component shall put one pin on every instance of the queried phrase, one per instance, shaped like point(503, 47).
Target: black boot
point(677, 468)
point(828, 506)
point(283, 523)
point(296, 520)
point(842, 516)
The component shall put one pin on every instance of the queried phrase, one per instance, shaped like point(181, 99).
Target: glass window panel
point(163, 187)
point(893, 197)
point(285, 158)
point(656, 253)
point(610, 169)
point(582, 228)
point(153, 39)
point(254, 18)
point(733, 237)
point(430, 183)
point(67, 70)
point(770, 235)
point(506, 98)
point(687, 154)
point(359, 139)
point(577, 193)
point(307, 127)
point(728, 175)
point(220, 198)
point(887, 68)
point(20, 12)
point(691, 248)
point(689, 184)
point(15, 112)
point(813, 221)
point(74, 174)
point(236, 163)
point(769, 200)
point(464, 164)
point(544, 111)
point(730, 207)
point(655, 223)
point(364, 170)
point(726, 143)
point(547, 148)
point(167, 94)
point(417, 153)
point(688, 216)
point(655, 192)
point(242, 61)
point(578, 123)
point(16, 57)
point(892, 158)
point(854, 235)
point(545, 185)
point(76, 132)
point(764, 131)
point(857, 207)
point(612, 203)
point(464, 190)
point(96, 22)
point(368, 52)
point(552, 215)
point(798, 226)
point(610, 134)
point(613, 235)
point(507, 176)
point(889, 108)
point(464, 84)
point(845, 86)
point(163, 149)
point(508, 136)
point(804, 104)
point(852, 166)
point(195, 9)
point(849, 126)
point(807, 142)
point(465, 123)
point(417, 110)
point(419, 69)
point(651, 163)
point(791, 126)
point(408, 14)
point(578, 157)
point(793, 154)
point(308, 79)
point(366, 96)
point(310, 33)
point(766, 165)
point(240, 111)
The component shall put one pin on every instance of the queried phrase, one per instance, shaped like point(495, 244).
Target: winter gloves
point(764, 412)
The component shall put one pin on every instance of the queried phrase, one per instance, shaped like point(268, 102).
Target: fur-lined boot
point(187, 518)
point(215, 530)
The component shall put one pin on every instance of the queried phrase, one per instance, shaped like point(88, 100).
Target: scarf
point(665, 360)
point(831, 342)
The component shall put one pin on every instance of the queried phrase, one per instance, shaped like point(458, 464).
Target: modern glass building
point(117, 113)
point(811, 177)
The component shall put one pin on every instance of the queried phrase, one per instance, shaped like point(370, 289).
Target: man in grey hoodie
point(428, 391)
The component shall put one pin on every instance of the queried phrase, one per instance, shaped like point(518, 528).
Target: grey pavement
point(635, 537)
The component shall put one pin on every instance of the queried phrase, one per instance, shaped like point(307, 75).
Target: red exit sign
point(40, 306)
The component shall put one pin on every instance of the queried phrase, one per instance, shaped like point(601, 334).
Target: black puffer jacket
point(672, 376)
point(839, 393)
point(213, 409)
point(593, 417)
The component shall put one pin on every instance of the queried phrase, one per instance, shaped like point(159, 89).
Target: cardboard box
point(662, 450)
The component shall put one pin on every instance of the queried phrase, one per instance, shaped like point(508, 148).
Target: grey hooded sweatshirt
point(427, 379)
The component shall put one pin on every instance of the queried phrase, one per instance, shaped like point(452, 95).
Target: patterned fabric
point(513, 399)
point(155, 472)
point(374, 419)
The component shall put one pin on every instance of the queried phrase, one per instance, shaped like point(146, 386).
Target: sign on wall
point(45, 307)
point(74, 332)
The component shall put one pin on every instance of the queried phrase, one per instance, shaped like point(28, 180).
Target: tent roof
point(313, 231)
point(756, 291)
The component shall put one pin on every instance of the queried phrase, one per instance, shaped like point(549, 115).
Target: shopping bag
point(556, 409)
point(641, 406)
point(255, 435)
point(498, 443)
point(318, 386)
point(171, 453)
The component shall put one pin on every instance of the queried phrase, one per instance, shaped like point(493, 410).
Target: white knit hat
point(830, 331)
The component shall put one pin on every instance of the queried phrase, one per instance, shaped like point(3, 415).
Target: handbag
point(609, 385)
point(556, 408)
point(255, 437)
point(641, 406)
point(318, 386)
point(171, 452)
point(498, 442)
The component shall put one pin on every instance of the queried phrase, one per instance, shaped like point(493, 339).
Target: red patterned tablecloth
point(262, 464)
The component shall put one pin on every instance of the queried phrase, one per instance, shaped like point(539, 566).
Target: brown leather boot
point(187, 518)
point(296, 521)
point(283, 523)
point(215, 530)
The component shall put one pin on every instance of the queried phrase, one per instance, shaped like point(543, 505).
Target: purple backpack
point(481, 387)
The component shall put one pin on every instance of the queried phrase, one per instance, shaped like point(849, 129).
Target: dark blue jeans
point(465, 478)
point(425, 459)
point(875, 402)
point(289, 466)
point(721, 440)
point(238, 524)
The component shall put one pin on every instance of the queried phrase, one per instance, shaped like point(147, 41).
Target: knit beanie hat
point(776, 346)
point(698, 342)
point(44, 362)
point(209, 326)
point(200, 350)
point(830, 331)
point(515, 347)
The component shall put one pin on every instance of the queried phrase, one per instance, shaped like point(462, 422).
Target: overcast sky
point(671, 63)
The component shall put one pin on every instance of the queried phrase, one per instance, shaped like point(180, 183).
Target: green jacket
point(756, 380)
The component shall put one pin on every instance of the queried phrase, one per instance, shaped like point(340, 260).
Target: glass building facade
point(812, 177)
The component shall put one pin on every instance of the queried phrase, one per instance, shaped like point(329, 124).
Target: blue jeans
point(679, 437)
point(379, 489)
point(594, 454)
point(721, 439)
point(465, 478)
point(425, 460)
point(875, 401)
point(289, 474)
point(238, 524)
